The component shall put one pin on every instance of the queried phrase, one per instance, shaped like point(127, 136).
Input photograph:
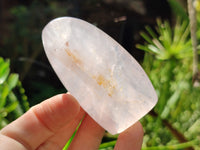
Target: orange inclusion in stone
point(107, 84)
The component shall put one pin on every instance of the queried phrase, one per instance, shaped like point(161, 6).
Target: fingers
point(50, 124)
point(6, 141)
point(89, 135)
point(131, 138)
point(42, 121)
point(60, 138)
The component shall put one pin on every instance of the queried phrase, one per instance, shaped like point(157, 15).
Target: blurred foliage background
point(155, 32)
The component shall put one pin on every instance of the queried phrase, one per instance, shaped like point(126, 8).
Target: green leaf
point(154, 49)
point(12, 80)
point(1, 61)
point(3, 95)
point(166, 37)
point(3, 112)
point(4, 71)
point(151, 32)
point(146, 37)
point(12, 99)
point(158, 44)
point(3, 122)
point(142, 47)
point(72, 137)
point(107, 144)
point(12, 107)
point(185, 34)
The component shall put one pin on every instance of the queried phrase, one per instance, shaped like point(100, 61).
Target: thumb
point(42, 121)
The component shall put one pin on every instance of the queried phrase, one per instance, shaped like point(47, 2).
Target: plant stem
point(107, 144)
point(175, 147)
point(178, 135)
point(193, 30)
point(185, 145)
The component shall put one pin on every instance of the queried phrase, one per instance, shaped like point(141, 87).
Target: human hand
point(50, 124)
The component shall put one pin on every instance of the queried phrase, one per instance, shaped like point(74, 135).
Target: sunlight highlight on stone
point(106, 80)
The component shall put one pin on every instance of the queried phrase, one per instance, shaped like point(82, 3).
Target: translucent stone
point(105, 79)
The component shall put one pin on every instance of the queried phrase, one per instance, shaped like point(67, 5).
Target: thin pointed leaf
point(167, 35)
point(142, 47)
point(151, 32)
point(176, 32)
point(185, 34)
point(154, 49)
point(146, 37)
point(179, 30)
point(158, 44)
point(160, 26)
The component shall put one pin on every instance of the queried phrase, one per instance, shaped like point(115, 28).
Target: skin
point(44, 127)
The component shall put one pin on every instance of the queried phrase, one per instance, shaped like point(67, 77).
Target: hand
point(49, 125)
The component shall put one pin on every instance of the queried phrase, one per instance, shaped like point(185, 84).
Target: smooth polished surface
point(106, 80)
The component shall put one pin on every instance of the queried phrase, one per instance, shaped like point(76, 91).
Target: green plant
point(171, 43)
point(10, 106)
point(168, 62)
point(170, 71)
